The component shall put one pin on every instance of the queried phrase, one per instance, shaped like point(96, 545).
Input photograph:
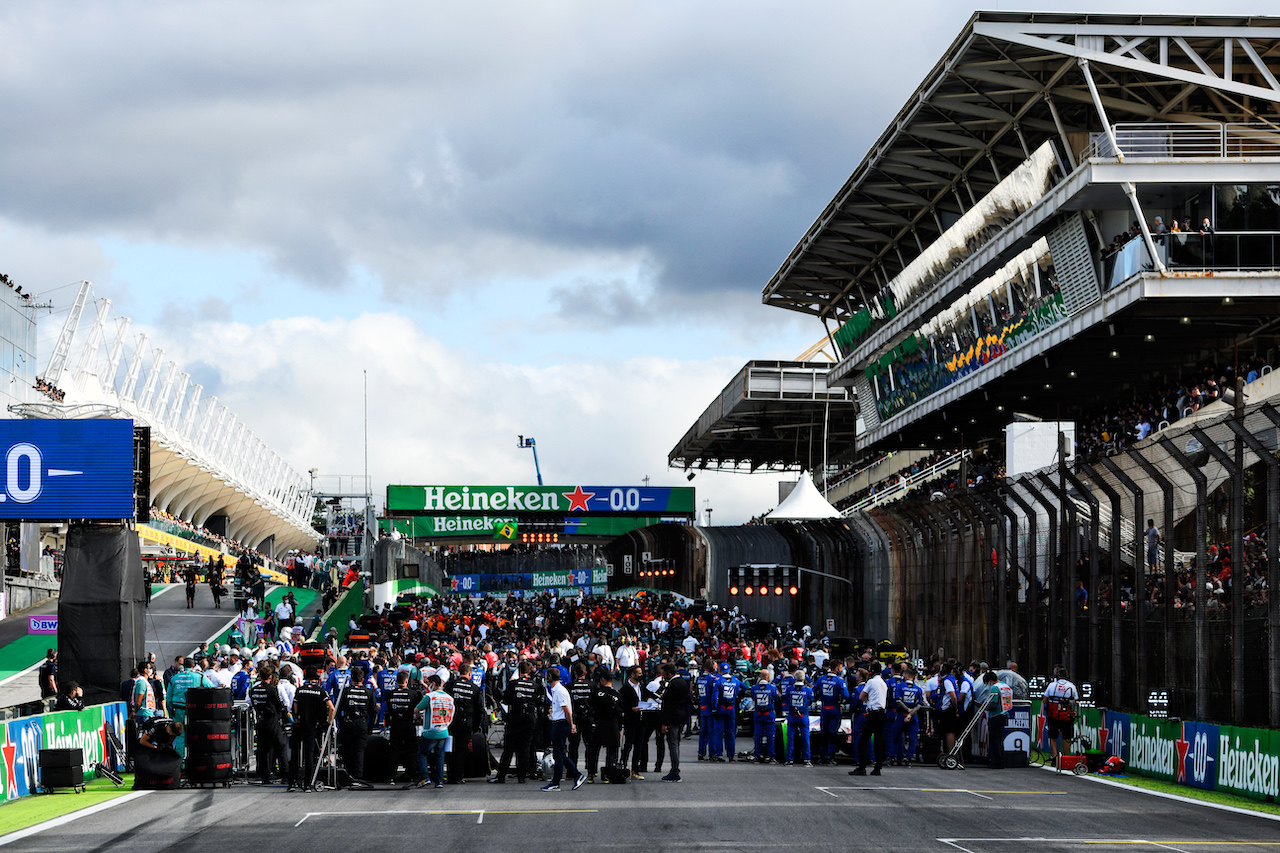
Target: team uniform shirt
point(765, 697)
point(729, 688)
point(240, 684)
point(907, 693)
point(355, 705)
point(311, 708)
point(798, 700)
point(521, 698)
point(335, 681)
point(708, 687)
point(831, 691)
point(580, 695)
point(1062, 692)
point(267, 704)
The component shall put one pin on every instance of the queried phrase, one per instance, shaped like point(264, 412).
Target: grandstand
point(209, 472)
point(1073, 218)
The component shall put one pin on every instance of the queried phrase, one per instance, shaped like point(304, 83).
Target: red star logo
point(1039, 728)
point(1183, 746)
point(10, 750)
point(578, 498)
point(1103, 731)
point(453, 584)
point(102, 736)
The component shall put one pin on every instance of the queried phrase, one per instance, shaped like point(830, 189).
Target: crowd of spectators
point(893, 480)
point(50, 390)
point(1116, 427)
point(168, 523)
point(854, 469)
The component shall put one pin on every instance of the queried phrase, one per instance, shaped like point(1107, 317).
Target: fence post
point(1095, 571)
point(1068, 541)
point(1117, 659)
point(1050, 556)
point(1273, 546)
point(1028, 609)
point(1201, 622)
point(1236, 473)
point(1139, 575)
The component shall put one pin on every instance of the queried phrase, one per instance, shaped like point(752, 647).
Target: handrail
point(1189, 140)
point(906, 484)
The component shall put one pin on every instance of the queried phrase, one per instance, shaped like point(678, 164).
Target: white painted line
point(983, 796)
point(26, 671)
point(1178, 798)
point(53, 823)
point(480, 817)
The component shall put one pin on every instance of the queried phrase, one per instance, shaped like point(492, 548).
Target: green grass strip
point(25, 651)
point(1218, 797)
point(29, 811)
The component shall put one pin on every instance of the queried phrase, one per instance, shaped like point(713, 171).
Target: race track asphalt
point(717, 807)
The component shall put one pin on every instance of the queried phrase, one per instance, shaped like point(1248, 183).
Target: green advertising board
point(532, 501)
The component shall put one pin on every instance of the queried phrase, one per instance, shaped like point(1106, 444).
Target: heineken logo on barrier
point(1151, 751)
point(467, 524)
point(1245, 766)
point(441, 500)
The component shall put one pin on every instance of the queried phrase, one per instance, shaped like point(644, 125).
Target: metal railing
point(1177, 141)
point(907, 484)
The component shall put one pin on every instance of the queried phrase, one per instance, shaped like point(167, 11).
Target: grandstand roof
point(1008, 83)
point(204, 461)
point(771, 415)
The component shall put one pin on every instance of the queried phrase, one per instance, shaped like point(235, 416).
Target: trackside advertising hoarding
point(1232, 759)
point(534, 500)
point(21, 741)
point(52, 470)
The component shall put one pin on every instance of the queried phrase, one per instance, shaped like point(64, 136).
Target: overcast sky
point(545, 218)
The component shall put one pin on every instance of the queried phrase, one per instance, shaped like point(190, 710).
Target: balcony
point(1204, 140)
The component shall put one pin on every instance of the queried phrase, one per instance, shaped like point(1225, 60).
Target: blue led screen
point(53, 470)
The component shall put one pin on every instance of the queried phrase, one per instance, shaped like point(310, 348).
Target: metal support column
point(1202, 559)
point(1061, 586)
point(1141, 681)
point(1273, 560)
point(1095, 573)
point(1026, 614)
point(1117, 661)
point(1236, 473)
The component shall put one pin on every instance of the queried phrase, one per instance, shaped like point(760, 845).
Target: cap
point(724, 667)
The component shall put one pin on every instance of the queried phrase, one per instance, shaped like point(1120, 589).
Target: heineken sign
point(537, 500)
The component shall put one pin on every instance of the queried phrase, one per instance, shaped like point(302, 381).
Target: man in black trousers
point(674, 712)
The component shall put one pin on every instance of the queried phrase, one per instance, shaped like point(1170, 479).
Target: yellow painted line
point(443, 812)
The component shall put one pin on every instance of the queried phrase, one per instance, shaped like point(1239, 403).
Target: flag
point(504, 530)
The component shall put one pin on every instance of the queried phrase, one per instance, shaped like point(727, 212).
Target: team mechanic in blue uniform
point(730, 688)
point(858, 712)
point(708, 687)
point(798, 699)
point(906, 699)
point(831, 690)
point(765, 696)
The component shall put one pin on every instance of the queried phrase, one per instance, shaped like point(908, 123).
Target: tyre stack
point(209, 739)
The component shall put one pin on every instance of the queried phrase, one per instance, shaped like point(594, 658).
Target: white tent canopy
point(805, 503)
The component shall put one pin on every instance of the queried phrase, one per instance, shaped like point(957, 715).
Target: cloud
point(440, 417)
point(441, 146)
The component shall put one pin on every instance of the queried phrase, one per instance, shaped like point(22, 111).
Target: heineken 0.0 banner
point(1232, 759)
point(527, 500)
point(85, 730)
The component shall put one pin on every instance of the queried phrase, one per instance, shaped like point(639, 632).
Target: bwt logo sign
point(42, 624)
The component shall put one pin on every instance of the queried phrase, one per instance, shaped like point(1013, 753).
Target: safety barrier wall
point(348, 606)
point(87, 730)
point(1232, 759)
